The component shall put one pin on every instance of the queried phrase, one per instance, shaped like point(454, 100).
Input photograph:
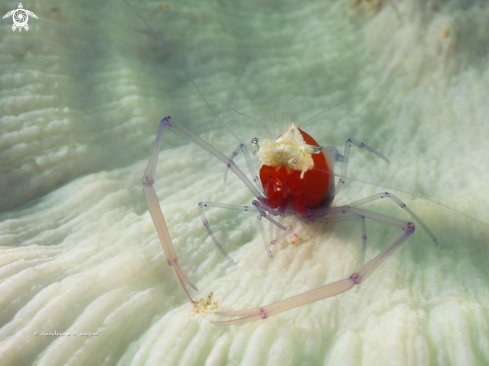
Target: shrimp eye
point(255, 141)
point(316, 149)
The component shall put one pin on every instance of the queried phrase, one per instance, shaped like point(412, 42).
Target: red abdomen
point(281, 187)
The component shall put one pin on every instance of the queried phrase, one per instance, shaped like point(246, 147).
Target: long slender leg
point(364, 241)
point(152, 199)
point(364, 233)
point(346, 156)
point(280, 220)
point(271, 230)
point(231, 158)
point(178, 128)
point(277, 232)
point(401, 204)
point(364, 245)
point(320, 293)
point(347, 217)
point(263, 208)
point(201, 206)
point(328, 219)
point(159, 220)
point(249, 164)
point(266, 241)
point(388, 220)
point(287, 232)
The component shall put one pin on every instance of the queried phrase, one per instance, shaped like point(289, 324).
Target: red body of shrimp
point(282, 186)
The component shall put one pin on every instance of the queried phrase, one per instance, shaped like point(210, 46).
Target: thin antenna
point(340, 103)
point(270, 135)
point(183, 67)
point(249, 133)
point(270, 118)
point(286, 120)
point(279, 123)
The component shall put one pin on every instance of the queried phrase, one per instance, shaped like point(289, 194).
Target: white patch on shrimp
point(290, 150)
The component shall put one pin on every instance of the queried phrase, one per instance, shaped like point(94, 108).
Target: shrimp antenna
point(336, 105)
point(183, 67)
point(257, 120)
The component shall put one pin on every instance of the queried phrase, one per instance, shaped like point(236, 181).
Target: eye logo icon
point(20, 17)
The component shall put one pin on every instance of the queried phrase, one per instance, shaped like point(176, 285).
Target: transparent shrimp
point(296, 181)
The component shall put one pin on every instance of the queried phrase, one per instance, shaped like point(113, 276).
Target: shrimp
point(296, 184)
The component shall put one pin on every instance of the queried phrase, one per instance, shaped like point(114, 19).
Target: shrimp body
point(295, 172)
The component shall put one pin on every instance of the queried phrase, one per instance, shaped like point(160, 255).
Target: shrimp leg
point(178, 128)
point(346, 156)
point(320, 293)
point(201, 206)
point(349, 218)
point(266, 241)
point(401, 204)
point(249, 163)
point(158, 219)
point(154, 206)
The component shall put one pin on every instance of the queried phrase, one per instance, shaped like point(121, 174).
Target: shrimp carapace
point(294, 170)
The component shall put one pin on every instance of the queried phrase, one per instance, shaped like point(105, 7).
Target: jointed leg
point(263, 209)
point(287, 232)
point(266, 241)
point(159, 220)
point(178, 128)
point(262, 213)
point(249, 164)
point(364, 232)
point(401, 204)
point(346, 217)
point(258, 206)
point(152, 200)
point(388, 220)
point(278, 231)
point(201, 206)
point(364, 240)
point(346, 156)
point(323, 292)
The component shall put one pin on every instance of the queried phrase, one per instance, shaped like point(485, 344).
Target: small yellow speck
point(204, 306)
